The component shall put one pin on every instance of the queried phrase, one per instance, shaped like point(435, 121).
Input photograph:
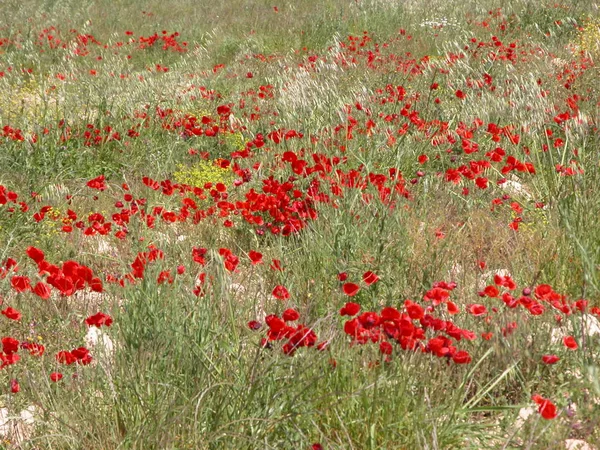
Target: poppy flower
point(65, 357)
point(390, 313)
point(255, 257)
point(198, 255)
point(56, 376)
point(477, 310)
point(276, 265)
point(491, 291)
point(229, 259)
point(545, 407)
point(42, 290)
point(280, 292)
point(10, 345)
point(99, 319)
point(342, 276)
point(11, 313)
point(461, 357)
point(369, 319)
point(505, 281)
point(570, 343)
point(481, 182)
point(369, 278)
point(452, 308)
point(436, 295)
point(350, 289)
point(14, 386)
point(322, 345)
point(350, 309)
point(33, 348)
point(20, 283)
point(254, 325)
point(36, 254)
point(96, 285)
point(289, 315)
point(97, 183)
point(386, 348)
point(414, 311)
point(550, 359)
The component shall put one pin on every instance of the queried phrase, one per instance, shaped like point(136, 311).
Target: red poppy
point(97, 183)
point(229, 259)
point(11, 314)
point(20, 283)
point(42, 290)
point(99, 319)
point(322, 345)
point(36, 254)
point(198, 255)
point(254, 325)
point(255, 257)
point(414, 311)
point(350, 309)
point(83, 355)
point(491, 291)
point(477, 310)
point(10, 345)
point(65, 357)
point(437, 295)
point(369, 320)
point(342, 276)
point(390, 313)
point(481, 182)
point(545, 407)
point(452, 308)
point(369, 278)
point(289, 315)
point(33, 348)
point(461, 357)
point(276, 265)
point(386, 348)
point(14, 386)
point(280, 292)
point(570, 343)
point(350, 289)
point(550, 359)
point(56, 376)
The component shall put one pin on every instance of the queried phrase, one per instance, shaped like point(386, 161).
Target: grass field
point(367, 224)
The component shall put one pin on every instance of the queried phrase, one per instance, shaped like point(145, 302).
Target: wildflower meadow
point(316, 224)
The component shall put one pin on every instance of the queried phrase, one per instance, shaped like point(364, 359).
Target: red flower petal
point(350, 309)
point(350, 289)
point(369, 278)
point(280, 292)
point(550, 359)
point(570, 342)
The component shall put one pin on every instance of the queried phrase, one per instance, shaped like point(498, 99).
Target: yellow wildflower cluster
point(589, 38)
point(203, 172)
point(51, 225)
point(234, 140)
point(537, 221)
point(24, 102)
